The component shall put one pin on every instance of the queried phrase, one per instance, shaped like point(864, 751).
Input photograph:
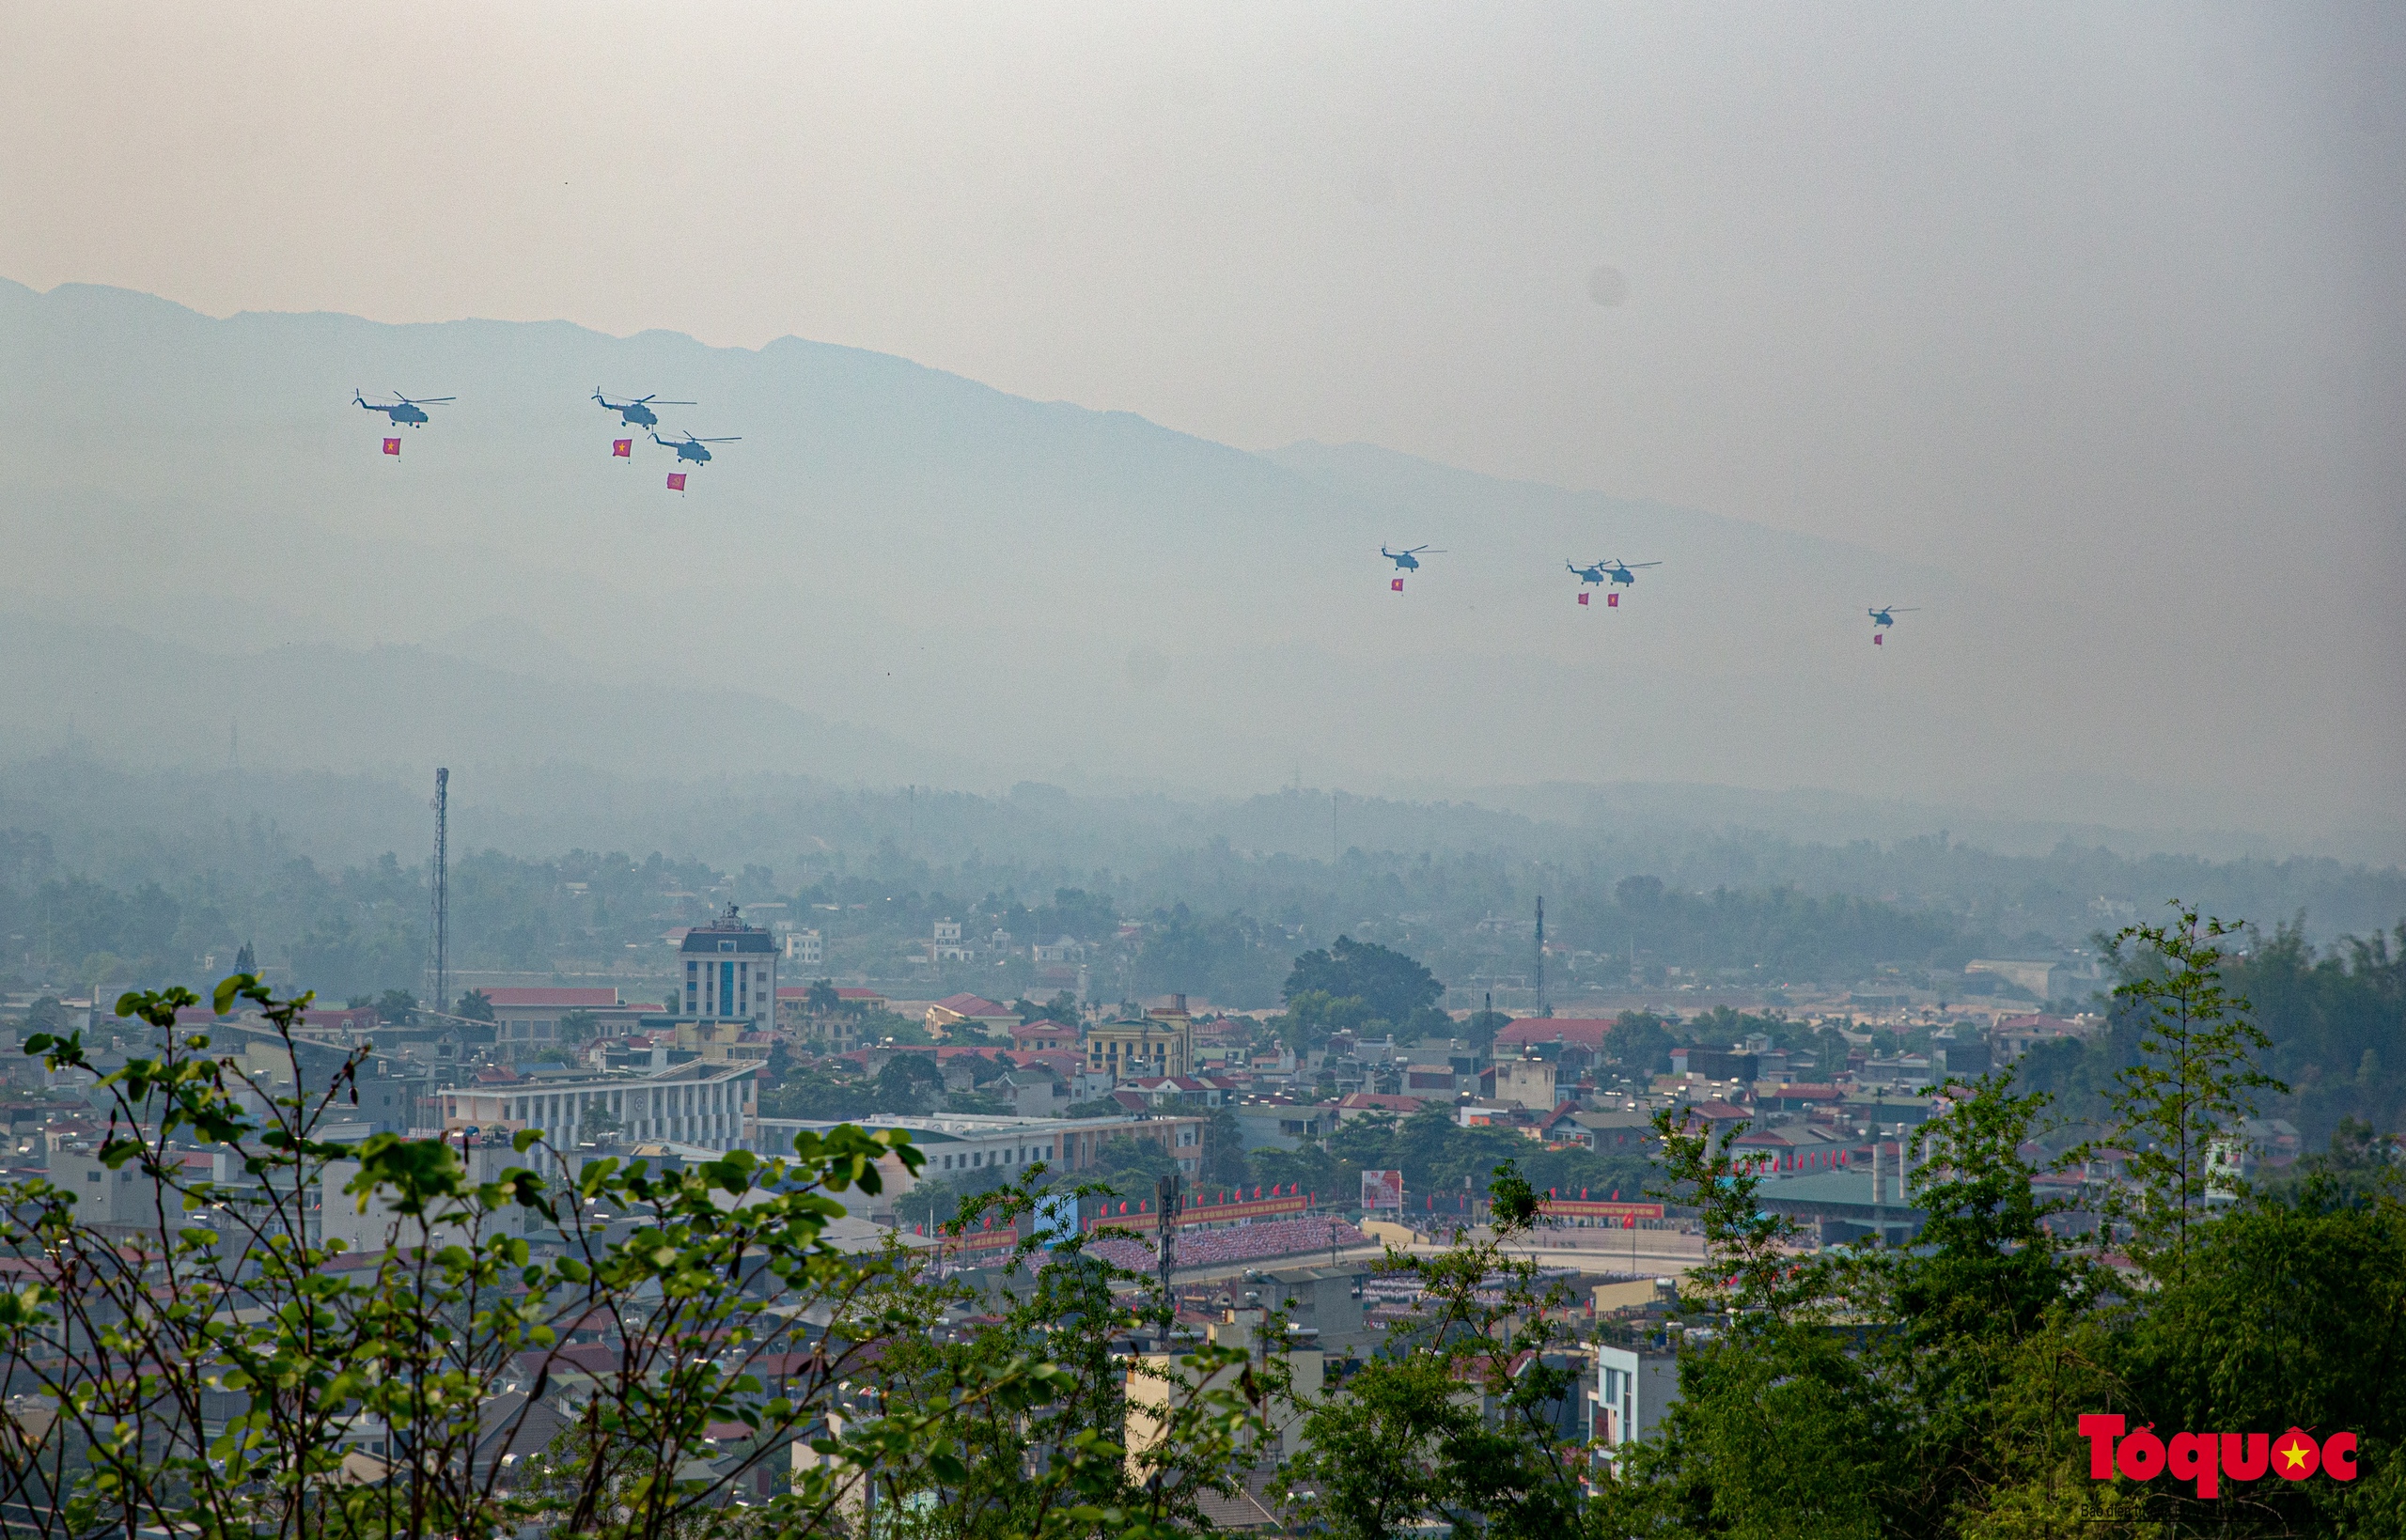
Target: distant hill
point(995, 581)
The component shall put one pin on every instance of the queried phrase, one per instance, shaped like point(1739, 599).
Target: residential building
point(1145, 1047)
point(955, 1014)
point(1632, 1391)
point(2014, 1035)
point(946, 945)
point(526, 1021)
point(2039, 978)
point(1531, 1033)
point(380, 1224)
point(730, 971)
point(1282, 1124)
point(1251, 1330)
point(1429, 1082)
point(1043, 1036)
point(1524, 1083)
point(805, 948)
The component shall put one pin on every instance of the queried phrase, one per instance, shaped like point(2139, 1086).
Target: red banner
point(1611, 601)
point(1579, 1208)
point(622, 448)
point(391, 447)
point(1583, 599)
point(980, 1240)
point(675, 481)
point(1396, 585)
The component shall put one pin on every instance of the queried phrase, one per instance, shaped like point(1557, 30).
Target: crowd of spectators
point(1254, 1241)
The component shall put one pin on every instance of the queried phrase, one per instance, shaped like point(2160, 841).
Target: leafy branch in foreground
point(543, 1340)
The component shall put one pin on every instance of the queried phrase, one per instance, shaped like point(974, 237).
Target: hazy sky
point(2108, 301)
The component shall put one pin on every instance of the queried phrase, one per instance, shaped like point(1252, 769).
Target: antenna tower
point(441, 972)
point(1167, 1192)
point(1540, 959)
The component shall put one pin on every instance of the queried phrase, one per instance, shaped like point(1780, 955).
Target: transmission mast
point(1167, 1195)
point(1540, 959)
point(442, 895)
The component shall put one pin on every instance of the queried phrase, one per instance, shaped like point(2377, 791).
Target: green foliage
point(909, 1084)
point(1313, 1016)
point(1641, 1042)
point(1131, 1167)
point(473, 1006)
point(1228, 958)
point(821, 1093)
point(1390, 983)
point(1462, 1419)
point(2195, 1080)
point(1480, 1027)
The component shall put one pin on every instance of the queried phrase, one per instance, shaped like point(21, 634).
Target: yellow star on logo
point(2293, 1453)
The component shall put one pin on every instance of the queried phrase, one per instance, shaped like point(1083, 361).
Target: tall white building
point(731, 973)
point(1632, 1392)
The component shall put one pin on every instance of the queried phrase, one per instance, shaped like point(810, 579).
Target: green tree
point(1391, 984)
point(1224, 1162)
point(909, 1082)
point(437, 1338)
point(475, 1005)
point(1130, 1166)
point(2195, 1079)
point(578, 1026)
point(1480, 1028)
point(1458, 1420)
point(395, 1008)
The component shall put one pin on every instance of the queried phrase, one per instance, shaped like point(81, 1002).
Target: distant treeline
point(139, 875)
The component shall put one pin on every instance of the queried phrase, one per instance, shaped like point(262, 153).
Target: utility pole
point(441, 885)
point(1540, 958)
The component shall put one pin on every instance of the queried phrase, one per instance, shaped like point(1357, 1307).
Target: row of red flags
point(1611, 601)
point(622, 448)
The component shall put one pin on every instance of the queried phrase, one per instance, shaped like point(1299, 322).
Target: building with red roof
point(1538, 1031)
point(971, 1012)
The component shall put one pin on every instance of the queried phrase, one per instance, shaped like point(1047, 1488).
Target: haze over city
point(1042, 771)
point(2078, 333)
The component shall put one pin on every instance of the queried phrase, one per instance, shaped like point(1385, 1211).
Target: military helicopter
point(689, 447)
point(1621, 573)
point(1407, 561)
point(637, 412)
point(403, 410)
point(1882, 618)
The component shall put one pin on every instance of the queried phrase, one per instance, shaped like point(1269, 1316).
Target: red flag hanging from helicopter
point(675, 481)
point(622, 448)
point(391, 447)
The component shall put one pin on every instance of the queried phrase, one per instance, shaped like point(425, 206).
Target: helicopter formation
point(1612, 574)
point(635, 412)
point(1608, 574)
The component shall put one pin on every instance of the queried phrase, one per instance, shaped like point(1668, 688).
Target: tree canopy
point(1392, 985)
